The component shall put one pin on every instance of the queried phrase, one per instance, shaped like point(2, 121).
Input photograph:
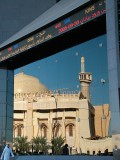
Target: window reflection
point(65, 100)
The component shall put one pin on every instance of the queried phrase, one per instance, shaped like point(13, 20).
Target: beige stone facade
point(38, 112)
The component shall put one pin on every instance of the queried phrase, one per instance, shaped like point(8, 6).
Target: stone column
point(35, 125)
point(63, 124)
point(29, 121)
point(49, 125)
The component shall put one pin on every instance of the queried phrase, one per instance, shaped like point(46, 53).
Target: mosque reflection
point(71, 115)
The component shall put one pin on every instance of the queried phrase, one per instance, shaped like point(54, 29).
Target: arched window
point(44, 131)
point(71, 130)
point(88, 152)
point(19, 131)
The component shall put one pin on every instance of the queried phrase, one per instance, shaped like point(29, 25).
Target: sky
point(61, 70)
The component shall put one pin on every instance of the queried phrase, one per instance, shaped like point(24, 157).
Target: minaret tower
point(85, 80)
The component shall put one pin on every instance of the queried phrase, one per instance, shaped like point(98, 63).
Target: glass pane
point(69, 94)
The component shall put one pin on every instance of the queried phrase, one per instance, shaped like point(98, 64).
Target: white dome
point(27, 84)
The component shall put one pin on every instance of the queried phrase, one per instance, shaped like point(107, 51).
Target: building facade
point(40, 112)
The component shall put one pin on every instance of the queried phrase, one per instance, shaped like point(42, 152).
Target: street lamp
point(56, 107)
point(103, 117)
point(55, 123)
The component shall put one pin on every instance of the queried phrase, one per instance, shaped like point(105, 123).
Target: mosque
point(39, 112)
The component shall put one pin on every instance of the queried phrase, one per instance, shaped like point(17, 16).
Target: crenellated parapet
point(34, 97)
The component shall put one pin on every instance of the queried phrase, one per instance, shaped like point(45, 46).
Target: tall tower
point(85, 79)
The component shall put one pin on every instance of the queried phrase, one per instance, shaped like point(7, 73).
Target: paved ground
point(63, 157)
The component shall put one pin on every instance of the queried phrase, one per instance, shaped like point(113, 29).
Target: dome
point(27, 84)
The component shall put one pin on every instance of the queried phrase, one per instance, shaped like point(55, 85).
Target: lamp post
point(56, 107)
point(103, 117)
point(55, 123)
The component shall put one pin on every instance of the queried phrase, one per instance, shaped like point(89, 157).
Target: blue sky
point(61, 70)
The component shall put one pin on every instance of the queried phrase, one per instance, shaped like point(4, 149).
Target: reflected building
point(39, 112)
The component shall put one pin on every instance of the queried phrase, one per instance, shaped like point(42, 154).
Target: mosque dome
point(24, 83)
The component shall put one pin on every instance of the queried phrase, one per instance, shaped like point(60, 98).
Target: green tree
point(43, 145)
point(36, 144)
point(40, 145)
point(57, 145)
point(21, 144)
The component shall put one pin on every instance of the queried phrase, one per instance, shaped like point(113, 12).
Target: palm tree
point(43, 145)
point(36, 144)
point(57, 145)
point(21, 144)
point(40, 144)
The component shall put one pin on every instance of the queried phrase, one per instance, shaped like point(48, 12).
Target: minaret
point(85, 80)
